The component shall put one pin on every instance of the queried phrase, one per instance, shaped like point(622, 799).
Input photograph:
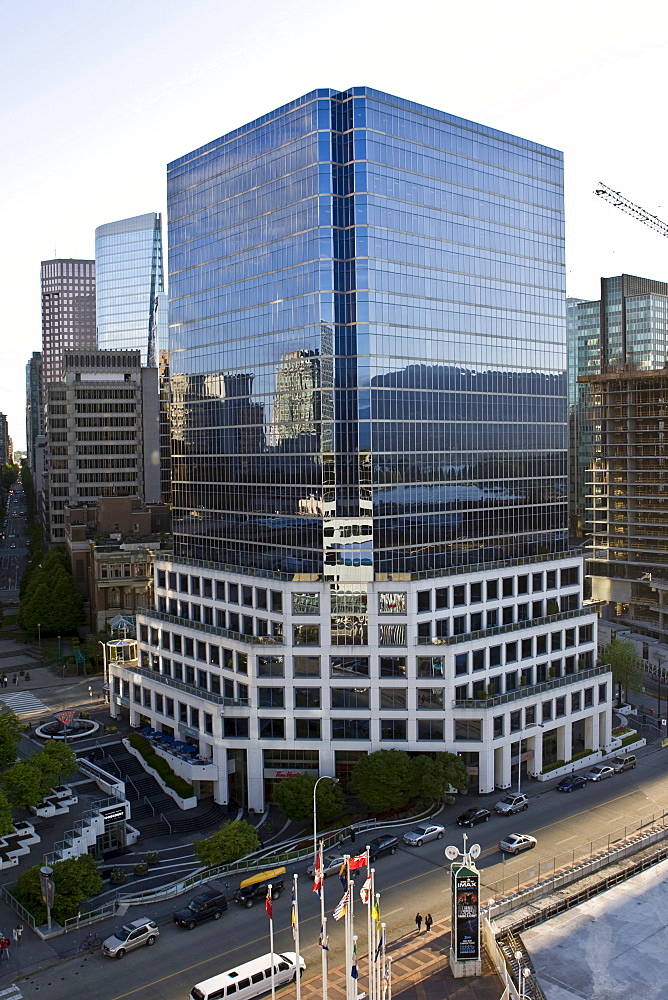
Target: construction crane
point(635, 211)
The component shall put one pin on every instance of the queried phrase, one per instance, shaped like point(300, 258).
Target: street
point(413, 879)
point(13, 549)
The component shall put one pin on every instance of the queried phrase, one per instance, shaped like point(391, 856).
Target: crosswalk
point(11, 993)
point(26, 706)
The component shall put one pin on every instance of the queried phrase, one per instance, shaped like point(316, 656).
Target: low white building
point(268, 676)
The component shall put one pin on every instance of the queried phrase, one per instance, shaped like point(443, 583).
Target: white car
point(419, 835)
point(331, 865)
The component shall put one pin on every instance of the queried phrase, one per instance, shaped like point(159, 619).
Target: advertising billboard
point(466, 913)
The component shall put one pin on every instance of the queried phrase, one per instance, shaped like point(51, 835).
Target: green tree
point(23, 784)
point(8, 475)
point(56, 761)
point(382, 780)
point(232, 841)
point(6, 821)
point(626, 665)
point(50, 598)
point(10, 735)
point(75, 880)
point(91, 648)
point(433, 776)
point(294, 797)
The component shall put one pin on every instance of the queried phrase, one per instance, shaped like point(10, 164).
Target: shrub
point(553, 767)
point(152, 857)
point(582, 753)
point(159, 764)
point(140, 868)
point(110, 729)
point(117, 876)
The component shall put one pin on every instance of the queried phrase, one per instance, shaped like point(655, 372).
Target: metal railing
point(15, 905)
point(546, 876)
point(216, 699)
point(486, 633)
point(533, 689)
point(224, 633)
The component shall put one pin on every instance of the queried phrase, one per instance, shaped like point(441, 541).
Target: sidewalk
point(420, 971)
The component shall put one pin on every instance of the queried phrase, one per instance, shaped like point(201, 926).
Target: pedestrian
point(4, 948)
point(352, 834)
point(418, 921)
point(16, 678)
point(340, 839)
point(428, 921)
point(4, 680)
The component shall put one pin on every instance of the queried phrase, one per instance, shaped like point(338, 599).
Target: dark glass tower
point(367, 342)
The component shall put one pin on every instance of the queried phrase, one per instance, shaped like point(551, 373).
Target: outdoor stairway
point(162, 817)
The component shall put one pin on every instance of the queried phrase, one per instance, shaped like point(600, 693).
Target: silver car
point(599, 773)
point(131, 935)
point(419, 835)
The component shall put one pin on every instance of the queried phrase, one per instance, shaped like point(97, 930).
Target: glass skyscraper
point(369, 445)
point(406, 268)
point(131, 305)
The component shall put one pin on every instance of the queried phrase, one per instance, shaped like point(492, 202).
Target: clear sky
point(97, 97)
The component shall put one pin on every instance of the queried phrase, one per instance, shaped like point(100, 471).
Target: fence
point(545, 876)
point(15, 905)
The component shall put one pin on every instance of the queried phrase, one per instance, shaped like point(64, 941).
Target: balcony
point(533, 690)
point(224, 633)
point(192, 689)
point(561, 616)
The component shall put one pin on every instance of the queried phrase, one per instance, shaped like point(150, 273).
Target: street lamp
point(323, 922)
point(104, 668)
point(522, 977)
point(39, 633)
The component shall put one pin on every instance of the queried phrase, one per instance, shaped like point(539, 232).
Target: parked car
point(570, 782)
point(137, 932)
point(517, 842)
point(599, 773)
point(209, 905)
point(255, 887)
point(419, 835)
point(473, 816)
point(331, 865)
point(512, 804)
point(625, 762)
point(382, 845)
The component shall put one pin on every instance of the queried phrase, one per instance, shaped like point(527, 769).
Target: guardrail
point(282, 854)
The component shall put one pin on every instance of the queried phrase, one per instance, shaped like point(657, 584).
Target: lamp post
point(323, 925)
point(104, 669)
point(39, 633)
point(522, 976)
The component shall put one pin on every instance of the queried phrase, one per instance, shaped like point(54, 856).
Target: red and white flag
point(268, 905)
point(318, 877)
point(365, 891)
point(359, 861)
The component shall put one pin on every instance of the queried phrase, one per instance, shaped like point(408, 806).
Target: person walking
point(352, 834)
point(418, 921)
point(428, 921)
point(4, 948)
point(340, 839)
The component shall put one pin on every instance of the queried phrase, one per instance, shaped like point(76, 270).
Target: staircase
point(141, 786)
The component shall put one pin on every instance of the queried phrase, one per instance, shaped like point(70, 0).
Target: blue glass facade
point(368, 344)
point(131, 304)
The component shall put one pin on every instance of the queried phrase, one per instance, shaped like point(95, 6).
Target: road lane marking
point(398, 910)
point(566, 839)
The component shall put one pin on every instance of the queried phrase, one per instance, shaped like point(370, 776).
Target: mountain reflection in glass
point(368, 342)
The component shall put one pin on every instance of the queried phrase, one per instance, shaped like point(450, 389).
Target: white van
point(249, 980)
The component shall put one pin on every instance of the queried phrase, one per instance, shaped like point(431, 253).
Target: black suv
point(382, 845)
point(208, 905)
point(250, 894)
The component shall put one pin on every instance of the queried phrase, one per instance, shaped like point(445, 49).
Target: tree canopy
point(10, 735)
point(49, 598)
point(294, 797)
point(390, 779)
point(75, 881)
point(626, 665)
point(232, 841)
point(23, 784)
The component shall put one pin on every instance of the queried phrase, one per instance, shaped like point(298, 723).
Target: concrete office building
point(369, 446)
point(102, 426)
point(68, 312)
point(6, 449)
point(34, 408)
point(131, 304)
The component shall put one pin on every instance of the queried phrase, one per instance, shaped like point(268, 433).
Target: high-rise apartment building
point(625, 330)
point(68, 312)
point(131, 304)
point(618, 353)
point(369, 436)
point(34, 407)
point(103, 432)
point(6, 450)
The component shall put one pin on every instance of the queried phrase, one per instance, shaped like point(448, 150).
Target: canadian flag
point(268, 905)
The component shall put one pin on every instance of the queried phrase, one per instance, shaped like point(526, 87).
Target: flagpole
point(270, 913)
point(370, 934)
point(323, 923)
point(295, 931)
point(380, 950)
point(354, 966)
point(349, 929)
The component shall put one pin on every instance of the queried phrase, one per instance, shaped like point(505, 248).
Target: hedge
point(159, 764)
